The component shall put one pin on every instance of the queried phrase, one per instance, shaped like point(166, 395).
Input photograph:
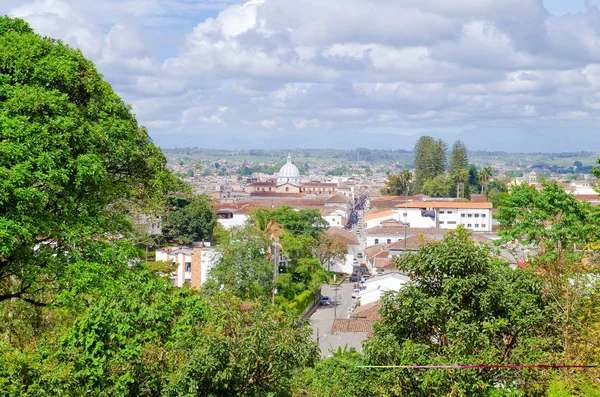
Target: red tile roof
point(381, 214)
point(352, 325)
point(370, 311)
point(446, 204)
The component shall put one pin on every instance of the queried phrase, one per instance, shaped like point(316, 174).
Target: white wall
point(378, 285)
point(382, 239)
point(480, 220)
point(208, 259)
point(376, 221)
point(237, 220)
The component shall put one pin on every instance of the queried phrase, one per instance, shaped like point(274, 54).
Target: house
point(234, 214)
point(582, 188)
point(412, 243)
point(385, 233)
point(354, 248)
point(375, 287)
point(193, 264)
point(476, 217)
point(335, 216)
point(339, 200)
point(375, 218)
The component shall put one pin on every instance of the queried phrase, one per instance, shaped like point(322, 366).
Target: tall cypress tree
point(459, 160)
point(430, 160)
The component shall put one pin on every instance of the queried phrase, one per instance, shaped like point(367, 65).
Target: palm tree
point(484, 177)
point(460, 177)
point(273, 231)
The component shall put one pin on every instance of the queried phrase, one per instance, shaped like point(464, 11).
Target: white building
point(193, 264)
point(336, 217)
point(289, 173)
point(378, 285)
point(231, 217)
point(476, 217)
point(375, 218)
point(582, 188)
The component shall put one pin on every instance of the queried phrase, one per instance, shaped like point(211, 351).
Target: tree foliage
point(430, 160)
point(463, 307)
point(191, 219)
point(244, 269)
point(74, 161)
point(330, 249)
point(397, 184)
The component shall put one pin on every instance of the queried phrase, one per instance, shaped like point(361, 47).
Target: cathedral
point(289, 184)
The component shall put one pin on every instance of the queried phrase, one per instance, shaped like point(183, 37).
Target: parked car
point(325, 301)
point(355, 293)
point(359, 255)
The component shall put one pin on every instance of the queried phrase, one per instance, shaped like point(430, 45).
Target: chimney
point(197, 267)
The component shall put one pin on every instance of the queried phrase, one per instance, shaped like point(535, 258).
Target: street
point(322, 320)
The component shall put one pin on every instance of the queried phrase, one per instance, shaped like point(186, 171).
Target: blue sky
point(513, 75)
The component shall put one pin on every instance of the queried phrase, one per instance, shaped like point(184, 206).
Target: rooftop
point(446, 204)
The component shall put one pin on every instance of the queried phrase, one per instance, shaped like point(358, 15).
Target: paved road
point(322, 320)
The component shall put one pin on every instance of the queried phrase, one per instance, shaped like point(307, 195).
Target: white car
point(355, 293)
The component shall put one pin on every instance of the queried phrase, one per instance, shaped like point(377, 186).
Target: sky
point(508, 75)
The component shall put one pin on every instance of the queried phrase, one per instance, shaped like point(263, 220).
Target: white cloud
point(336, 67)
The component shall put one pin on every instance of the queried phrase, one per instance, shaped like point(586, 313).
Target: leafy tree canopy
point(74, 161)
point(192, 219)
point(465, 307)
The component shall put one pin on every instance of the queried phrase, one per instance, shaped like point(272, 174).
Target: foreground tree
point(463, 307)
point(75, 162)
point(244, 269)
point(557, 236)
point(140, 336)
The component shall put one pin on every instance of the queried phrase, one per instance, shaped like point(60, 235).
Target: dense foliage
point(190, 220)
point(74, 162)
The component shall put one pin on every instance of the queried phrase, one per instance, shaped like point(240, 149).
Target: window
point(376, 241)
point(441, 212)
point(452, 222)
point(188, 266)
point(441, 222)
point(389, 240)
point(469, 225)
point(477, 225)
point(404, 214)
point(483, 225)
point(449, 212)
point(287, 189)
point(483, 215)
point(469, 215)
point(269, 189)
point(476, 215)
point(462, 215)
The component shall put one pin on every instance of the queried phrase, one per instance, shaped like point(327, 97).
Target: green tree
point(463, 306)
point(440, 186)
point(330, 249)
point(461, 182)
point(561, 235)
point(474, 179)
point(75, 164)
point(484, 177)
point(244, 269)
point(459, 158)
point(397, 184)
point(304, 221)
point(191, 220)
point(430, 160)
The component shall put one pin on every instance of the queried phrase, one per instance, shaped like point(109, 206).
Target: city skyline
point(515, 76)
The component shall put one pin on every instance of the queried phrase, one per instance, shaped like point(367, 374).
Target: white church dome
point(289, 173)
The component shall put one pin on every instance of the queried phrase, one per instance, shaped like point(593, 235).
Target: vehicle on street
point(325, 301)
point(359, 255)
point(355, 293)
